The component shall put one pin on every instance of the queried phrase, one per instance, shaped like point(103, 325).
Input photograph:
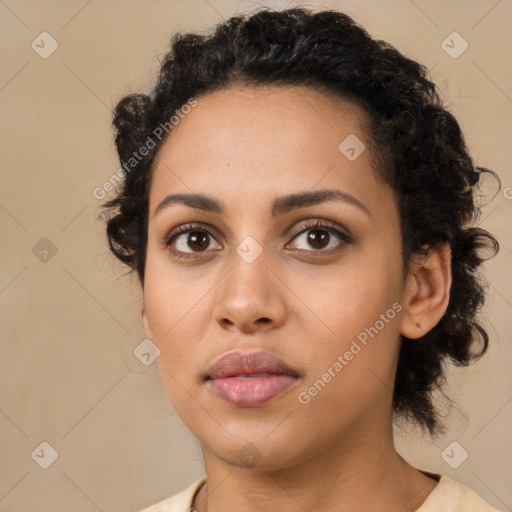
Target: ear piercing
point(418, 325)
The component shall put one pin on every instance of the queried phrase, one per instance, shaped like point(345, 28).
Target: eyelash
point(318, 224)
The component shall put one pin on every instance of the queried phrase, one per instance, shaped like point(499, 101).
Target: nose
point(251, 297)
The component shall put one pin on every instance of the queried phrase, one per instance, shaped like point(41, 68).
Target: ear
point(427, 291)
point(145, 321)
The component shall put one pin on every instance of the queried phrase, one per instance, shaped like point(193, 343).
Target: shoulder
point(452, 496)
point(181, 502)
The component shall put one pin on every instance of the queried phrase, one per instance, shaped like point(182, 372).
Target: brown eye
point(197, 240)
point(189, 241)
point(318, 236)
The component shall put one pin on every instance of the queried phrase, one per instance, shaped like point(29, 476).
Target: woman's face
point(256, 276)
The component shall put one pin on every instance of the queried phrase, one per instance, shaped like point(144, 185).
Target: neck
point(359, 475)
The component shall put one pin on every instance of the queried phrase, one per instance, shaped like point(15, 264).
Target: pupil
point(197, 239)
point(316, 239)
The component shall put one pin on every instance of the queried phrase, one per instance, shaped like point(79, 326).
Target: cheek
point(350, 296)
point(172, 294)
point(179, 309)
point(358, 306)
point(352, 371)
point(170, 309)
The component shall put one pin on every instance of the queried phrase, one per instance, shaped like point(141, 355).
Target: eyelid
point(185, 228)
point(328, 225)
point(342, 233)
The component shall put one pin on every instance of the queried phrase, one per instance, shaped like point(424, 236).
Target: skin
point(246, 147)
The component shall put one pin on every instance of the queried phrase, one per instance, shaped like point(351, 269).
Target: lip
point(250, 379)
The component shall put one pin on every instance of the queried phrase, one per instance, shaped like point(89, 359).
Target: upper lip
point(249, 363)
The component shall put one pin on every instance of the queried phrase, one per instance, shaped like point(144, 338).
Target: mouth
point(250, 379)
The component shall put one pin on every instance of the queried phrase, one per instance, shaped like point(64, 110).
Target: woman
point(297, 205)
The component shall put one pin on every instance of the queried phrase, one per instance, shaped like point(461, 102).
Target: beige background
point(68, 375)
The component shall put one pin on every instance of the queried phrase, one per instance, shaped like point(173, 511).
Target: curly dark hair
point(417, 145)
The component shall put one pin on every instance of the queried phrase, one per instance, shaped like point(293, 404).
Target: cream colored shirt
point(447, 496)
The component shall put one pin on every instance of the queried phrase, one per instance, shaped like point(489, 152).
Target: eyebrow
point(280, 206)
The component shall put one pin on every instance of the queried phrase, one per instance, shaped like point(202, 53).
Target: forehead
point(254, 141)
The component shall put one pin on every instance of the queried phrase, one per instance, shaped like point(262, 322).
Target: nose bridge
point(250, 295)
point(250, 268)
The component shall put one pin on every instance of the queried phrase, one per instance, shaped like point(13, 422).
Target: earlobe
point(427, 292)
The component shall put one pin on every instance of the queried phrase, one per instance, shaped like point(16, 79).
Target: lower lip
point(251, 391)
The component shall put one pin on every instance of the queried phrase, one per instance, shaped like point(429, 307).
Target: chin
point(256, 449)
